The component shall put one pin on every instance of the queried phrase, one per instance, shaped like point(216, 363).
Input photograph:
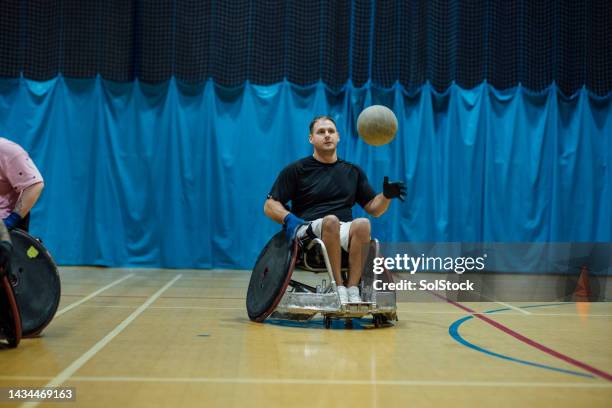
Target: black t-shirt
point(318, 189)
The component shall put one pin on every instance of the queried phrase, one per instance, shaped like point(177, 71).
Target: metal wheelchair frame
point(302, 302)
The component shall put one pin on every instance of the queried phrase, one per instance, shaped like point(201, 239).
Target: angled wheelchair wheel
point(36, 282)
point(10, 318)
point(270, 277)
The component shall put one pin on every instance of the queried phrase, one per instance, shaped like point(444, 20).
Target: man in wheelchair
point(322, 190)
point(20, 185)
point(30, 277)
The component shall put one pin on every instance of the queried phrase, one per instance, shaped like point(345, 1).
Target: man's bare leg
point(359, 236)
point(330, 234)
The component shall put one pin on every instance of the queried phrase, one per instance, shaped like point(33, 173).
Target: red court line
point(528, 341)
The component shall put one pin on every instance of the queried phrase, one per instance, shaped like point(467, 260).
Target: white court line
point(168, 307)
point(79, 362)
point(243, 308)
point(199, 307)
point(450, 312)
point(343, 382)
point(110, 307)
point(321, 381)
point(92, 295)
point(406, 311)
point(514, 307)
point(525, 312)
point(570, 314)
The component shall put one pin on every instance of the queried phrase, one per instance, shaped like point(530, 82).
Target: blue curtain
point(175, 175)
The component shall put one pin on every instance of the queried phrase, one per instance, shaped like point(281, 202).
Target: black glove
point(394, 190)
point(6, 250)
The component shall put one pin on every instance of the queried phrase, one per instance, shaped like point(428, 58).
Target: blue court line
point(453, 330)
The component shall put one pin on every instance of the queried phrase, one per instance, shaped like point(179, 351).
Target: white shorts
point(317, 225)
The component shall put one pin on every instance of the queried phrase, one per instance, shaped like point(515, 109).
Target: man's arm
point(28, 198)
point(378, 205)
point(275, 210)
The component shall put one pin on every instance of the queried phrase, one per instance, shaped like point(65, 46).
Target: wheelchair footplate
point(303, 306)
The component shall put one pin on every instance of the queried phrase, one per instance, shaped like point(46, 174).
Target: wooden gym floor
point(166, 338)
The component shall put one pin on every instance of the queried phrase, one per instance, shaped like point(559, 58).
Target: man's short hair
point(321, 117)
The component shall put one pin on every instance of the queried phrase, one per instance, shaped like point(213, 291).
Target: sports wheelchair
point(29, 290)
point(285, 285)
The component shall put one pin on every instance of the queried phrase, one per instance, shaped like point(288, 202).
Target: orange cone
point(582, 292)
point(582, 286)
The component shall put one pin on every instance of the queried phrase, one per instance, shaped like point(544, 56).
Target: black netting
point(599, 47)
point(303, 38)
point(504, 41)
point(193, 36)
point(116, 40)
point(387, 37)
point(571, 66)
point(507, 43)
point(10, 48)
point(335, 31)
point(41, 46)
point(539, 43)
point(360, 41)
point(471, 46)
